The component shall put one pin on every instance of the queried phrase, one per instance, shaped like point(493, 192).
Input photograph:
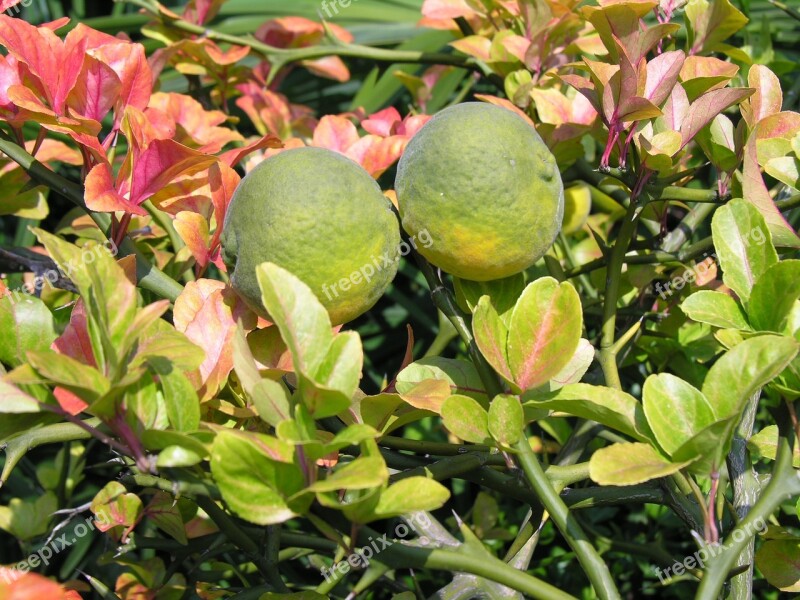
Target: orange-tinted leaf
point(75, 341)
point(102, 196)
point(207, 313)
point(130, 64)
point(197, 126)
point(161, 163)
point(767, 98)
point(16, 585)
point(193, 229)
point(336, 133)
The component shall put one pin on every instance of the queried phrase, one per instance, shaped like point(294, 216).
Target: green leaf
point(491, 337)
point(503, 293)
point(82, 380)
point(506, 419)
point(178, 456)
point(765, 444)
point(409, 495)
point(779, 561)
point(460, 376)
point(544, 333)
point(576, 368)
point(164, 512)
point(744, 369)
point(328, 367)
point(711, 23)
point(363, 473)
point(466, 419)
point(743, 245)
point(716, 309)
point(255, 475)
point(180, 397)
point(270, 398)
point(14, 400)
point(629, 464)
point(785, 169)
point(675, 410)
point(28, 518)
point(303, 322)
point(28, 325)
point(613, 408)
point(774, 296)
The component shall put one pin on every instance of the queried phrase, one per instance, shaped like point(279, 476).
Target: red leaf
point(161, 163)
point(69, 402)
point(235, 156)
point(75, 341)
point(130, 64)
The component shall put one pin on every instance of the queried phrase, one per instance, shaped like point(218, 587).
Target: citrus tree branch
point(149, 276)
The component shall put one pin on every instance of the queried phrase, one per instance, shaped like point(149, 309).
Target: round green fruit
point(486, 189)
point(321, 216)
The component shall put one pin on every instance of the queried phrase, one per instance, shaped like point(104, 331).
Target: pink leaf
point(755, 191)
point(767, 98)
point(383, 123)
point(662, 75)
point(96, 90)
point(706, 107)
point(336, 133)
point(161, 163)
point(102, 196)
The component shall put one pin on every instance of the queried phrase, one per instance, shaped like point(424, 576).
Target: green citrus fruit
point(481, 183)
point(322, 217)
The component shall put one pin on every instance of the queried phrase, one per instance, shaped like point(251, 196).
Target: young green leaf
point(774, 296)
point(506, 419)
point(716, 309)
point(28, 324)
point(744, 249)
point(409, 495)
point(491, 337)
point(363, 473)
point(612, 408)
point(466, 419)
point(675, 410)
point(629, 464)
point(255, 475)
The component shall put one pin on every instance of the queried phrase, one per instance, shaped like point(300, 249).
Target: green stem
point(785, 482)
point(684, 194)
point(607, 356)
point(280, 57)
point(590, 560)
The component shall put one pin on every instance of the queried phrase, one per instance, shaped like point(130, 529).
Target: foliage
point(163, 441)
